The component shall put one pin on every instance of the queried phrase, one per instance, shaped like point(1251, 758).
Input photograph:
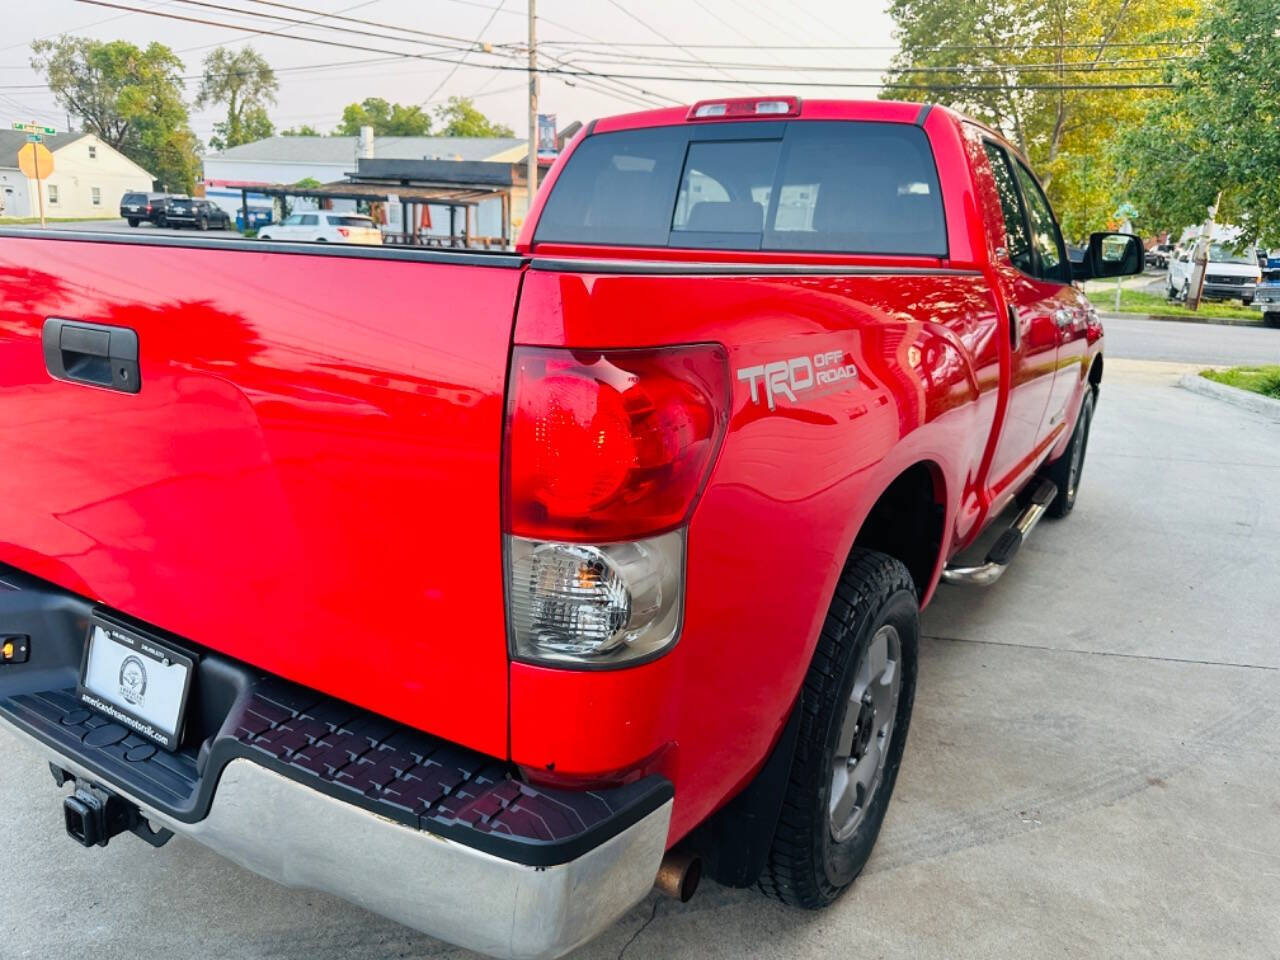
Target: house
point(89, 177)
point(286, 160)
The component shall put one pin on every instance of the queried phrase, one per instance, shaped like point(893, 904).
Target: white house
point(88, 179)
point(278, 160)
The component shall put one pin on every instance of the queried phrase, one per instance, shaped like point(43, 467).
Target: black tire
point(133, 222)
point(1271, 318)
point(1246, 301)
point(1066, 471)
point(204, 223)
point(162, 221)
point(808, 866)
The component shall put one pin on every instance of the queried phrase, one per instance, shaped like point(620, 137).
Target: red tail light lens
point(611, 445)
point(344, 231)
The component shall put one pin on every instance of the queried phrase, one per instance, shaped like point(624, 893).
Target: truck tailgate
point(308, 479)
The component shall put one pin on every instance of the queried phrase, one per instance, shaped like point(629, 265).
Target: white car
point(1228, 275)
point(324, 226)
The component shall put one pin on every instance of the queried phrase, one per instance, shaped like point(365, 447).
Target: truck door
point(1067, 307)
point(1032, 331)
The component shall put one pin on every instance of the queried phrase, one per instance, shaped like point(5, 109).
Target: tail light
point(344, 231)
point(606, 455)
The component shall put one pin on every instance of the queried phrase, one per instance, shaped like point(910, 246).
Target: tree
point(305, 130)
point(1032, 70)
point(131, 98)
point(245, 82)
point(387, 119)
point(460, 118)
point(1218, 132)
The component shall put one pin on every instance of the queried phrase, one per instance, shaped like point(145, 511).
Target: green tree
point(1033, 69)
point(460, 118)
point(245, 82)
point(1218, 132)
point(305, 130)
point(387, 119)
point(130, 97)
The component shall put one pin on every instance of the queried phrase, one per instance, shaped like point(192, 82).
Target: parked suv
point(137, 207)
point(197, 213)
point(324, 226)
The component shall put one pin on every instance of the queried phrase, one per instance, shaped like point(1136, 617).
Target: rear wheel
point(853, 727)
point(204, 223)
point(1066, 470)
point(133, 222)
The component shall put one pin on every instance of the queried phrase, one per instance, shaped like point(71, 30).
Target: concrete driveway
point(1092, 769)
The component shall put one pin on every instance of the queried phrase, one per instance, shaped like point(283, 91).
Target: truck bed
point(305, 479)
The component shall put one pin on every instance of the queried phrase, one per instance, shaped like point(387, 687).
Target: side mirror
point(1110, 255)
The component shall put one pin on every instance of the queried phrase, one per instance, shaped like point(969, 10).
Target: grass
point(19, 221)
point(1136, 301)
point(1264, 380)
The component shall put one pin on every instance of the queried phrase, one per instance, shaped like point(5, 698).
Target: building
point(285, 160)
point(89, 177)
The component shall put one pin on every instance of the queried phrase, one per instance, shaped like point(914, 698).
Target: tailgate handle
point(92, 353)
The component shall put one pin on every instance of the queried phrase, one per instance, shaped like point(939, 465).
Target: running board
point(1006, 548)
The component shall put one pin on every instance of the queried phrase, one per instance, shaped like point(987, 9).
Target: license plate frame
point(136, 659)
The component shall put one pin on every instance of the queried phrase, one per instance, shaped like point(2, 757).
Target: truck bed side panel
point(308, 479)
point(791, 487)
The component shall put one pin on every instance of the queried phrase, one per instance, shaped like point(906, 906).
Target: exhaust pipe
point(679, 874)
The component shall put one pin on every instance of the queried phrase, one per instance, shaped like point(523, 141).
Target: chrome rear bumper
point(299, 837)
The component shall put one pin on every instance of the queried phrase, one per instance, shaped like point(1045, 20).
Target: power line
point(449, 75)
point(1120, 65)
point(315, 24)
point(651, 77)
point(375, 23)
point(859, 47)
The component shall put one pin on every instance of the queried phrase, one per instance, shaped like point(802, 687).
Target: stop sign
point(35, 161)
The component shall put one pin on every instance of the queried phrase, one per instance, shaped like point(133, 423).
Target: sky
point(712, 40)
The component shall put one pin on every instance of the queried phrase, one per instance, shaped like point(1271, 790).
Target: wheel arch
point(907, 521)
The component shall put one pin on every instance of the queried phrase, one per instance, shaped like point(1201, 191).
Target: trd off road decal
point(799, 378)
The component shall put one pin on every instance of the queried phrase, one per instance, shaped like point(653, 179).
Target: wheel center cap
point(866, 726)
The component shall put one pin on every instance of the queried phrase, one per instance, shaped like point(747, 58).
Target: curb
point(1255, 402)
point(1167, 318)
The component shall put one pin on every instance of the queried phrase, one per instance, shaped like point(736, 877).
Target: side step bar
point(1007, 546)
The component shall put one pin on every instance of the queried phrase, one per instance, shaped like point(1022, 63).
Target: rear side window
point(134, 198)
point(352, 221)
point(851, 187)
point(1017, 239)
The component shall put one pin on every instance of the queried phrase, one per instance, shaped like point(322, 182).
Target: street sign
point(33, 128)
point(34, 138)
point(35, 161)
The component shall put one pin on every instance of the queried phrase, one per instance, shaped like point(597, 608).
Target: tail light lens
point(606, 454)
point(611, 445)
point(344, 231)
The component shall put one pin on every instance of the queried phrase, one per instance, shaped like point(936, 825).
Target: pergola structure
point(461, 202)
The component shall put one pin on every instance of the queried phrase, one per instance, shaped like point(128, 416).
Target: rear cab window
point(816, 186)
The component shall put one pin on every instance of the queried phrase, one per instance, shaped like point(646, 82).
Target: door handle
point(92, 353)
point(1015, 330)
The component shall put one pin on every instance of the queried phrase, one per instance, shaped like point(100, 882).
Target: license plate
point(133, 208)
point(139, 682)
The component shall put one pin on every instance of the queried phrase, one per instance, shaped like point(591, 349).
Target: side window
point(1045, 235)
point(1017, 240)
point(309, 220)
point(293, 220)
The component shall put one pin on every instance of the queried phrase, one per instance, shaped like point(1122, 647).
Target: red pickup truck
point(488, 589)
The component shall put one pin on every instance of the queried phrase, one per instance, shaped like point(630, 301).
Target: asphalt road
point(142, 229)
point(1196, 343)
point(1092, 769)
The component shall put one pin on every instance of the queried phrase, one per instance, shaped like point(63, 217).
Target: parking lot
point(1092, 768)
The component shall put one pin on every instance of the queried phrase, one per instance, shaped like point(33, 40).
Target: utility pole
point(532, 173)
point(1200, 259)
